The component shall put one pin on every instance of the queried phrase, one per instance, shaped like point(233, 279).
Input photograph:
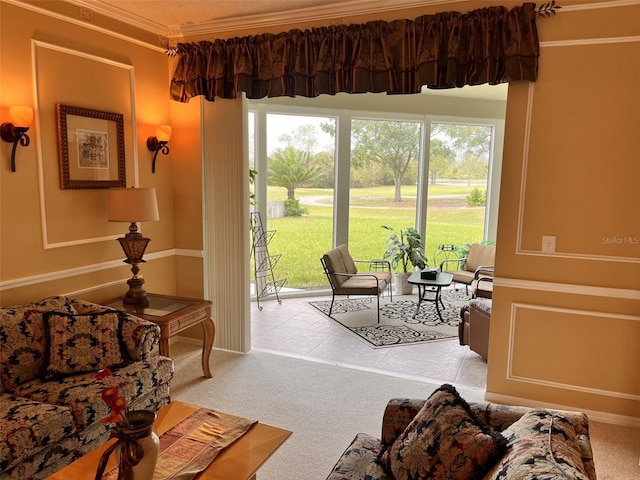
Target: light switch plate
point(548, 243)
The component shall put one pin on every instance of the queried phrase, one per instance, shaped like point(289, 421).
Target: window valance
point(445, 50)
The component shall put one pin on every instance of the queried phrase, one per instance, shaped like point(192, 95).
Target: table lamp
point(134, 205)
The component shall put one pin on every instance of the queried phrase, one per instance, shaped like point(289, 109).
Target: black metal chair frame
point(376, 264)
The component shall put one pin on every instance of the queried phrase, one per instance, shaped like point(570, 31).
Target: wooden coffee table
point(430, 287)
point(239, 461)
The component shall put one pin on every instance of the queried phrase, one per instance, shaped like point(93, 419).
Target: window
point(384, 163)
point(332, 176)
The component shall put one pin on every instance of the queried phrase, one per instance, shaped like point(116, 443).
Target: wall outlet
point(548, 243)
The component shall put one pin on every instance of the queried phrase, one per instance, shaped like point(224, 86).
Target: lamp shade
point(21, 116)
point(163, 133)
point(133, 205)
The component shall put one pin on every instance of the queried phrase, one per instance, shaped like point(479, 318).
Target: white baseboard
point(604, 417)
point(197, 342)
point(183, 339)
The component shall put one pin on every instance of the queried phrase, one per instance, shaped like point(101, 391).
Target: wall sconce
point(159, 143)
point(15, 130)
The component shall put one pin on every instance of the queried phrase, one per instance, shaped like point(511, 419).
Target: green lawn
point(303, 240)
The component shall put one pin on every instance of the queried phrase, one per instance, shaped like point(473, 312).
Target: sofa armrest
point(499, 417)
point(140, 336)
point(397, 416)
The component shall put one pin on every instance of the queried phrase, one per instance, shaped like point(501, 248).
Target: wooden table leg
point(164, 342)
point(209, 331)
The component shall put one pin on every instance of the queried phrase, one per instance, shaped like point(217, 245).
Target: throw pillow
point(444, 440)
point(24, 341)
point(531, 442)
point(82, 343)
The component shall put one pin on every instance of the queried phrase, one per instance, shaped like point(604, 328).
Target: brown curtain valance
point(450, 49)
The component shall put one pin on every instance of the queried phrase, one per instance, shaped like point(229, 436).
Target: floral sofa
point(446, 438)
point(50, 400)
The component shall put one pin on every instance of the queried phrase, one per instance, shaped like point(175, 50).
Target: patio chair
point(482, 284)
point(476, 266)
point(344, 278)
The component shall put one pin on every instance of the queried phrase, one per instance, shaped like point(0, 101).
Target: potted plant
point(404, 248)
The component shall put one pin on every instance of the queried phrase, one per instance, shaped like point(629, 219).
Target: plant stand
point(265, 281)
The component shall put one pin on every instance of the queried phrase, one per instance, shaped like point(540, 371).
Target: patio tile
point(293, 328)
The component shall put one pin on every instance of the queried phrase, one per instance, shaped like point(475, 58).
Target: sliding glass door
point(327, 178)
point(299, 178)
point(385, 159)
point(459, 159)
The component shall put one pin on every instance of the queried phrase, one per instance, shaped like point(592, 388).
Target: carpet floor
point(325, 406)
point(401, 322)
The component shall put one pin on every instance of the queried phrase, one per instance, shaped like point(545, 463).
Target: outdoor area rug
point(397, 325)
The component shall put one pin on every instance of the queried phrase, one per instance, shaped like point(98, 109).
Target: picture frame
point(90, 148)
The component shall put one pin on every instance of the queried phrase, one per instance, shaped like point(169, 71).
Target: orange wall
point(55, 241)
point(566, 324)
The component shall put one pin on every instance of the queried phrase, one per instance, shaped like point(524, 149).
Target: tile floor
point(296, 329)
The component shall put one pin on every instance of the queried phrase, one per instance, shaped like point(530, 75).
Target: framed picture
point(90, 148)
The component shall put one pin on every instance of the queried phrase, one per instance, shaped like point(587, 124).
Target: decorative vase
point(401, 284)
point(139, 446)
point(136, 448)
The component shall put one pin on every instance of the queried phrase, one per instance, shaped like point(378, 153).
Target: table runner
point(190, 446)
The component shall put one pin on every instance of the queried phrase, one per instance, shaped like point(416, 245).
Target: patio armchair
point(482, 284)
point(345, 279)
point(476, 267)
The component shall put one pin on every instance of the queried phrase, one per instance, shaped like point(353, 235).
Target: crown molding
point(350, 8)
point(323, 12)
point(598, 5)
point(44, 10)
point(309, 14)
point(122, 15)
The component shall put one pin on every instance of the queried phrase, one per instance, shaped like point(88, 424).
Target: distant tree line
point(383, 152)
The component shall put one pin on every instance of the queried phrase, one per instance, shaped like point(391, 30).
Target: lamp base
point(136, 295)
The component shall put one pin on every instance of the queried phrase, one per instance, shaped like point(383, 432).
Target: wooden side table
point(173, 315)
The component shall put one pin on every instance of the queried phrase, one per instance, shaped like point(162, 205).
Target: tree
point(471, 145)
point(304, 138)
point(473, 167)
point(393, 144)
point(324, 161)
point(474, 139)
point(441, 159)
point(291, 168)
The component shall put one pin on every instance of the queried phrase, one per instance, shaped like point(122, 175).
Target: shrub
point(292, 208)
point(477, 198)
